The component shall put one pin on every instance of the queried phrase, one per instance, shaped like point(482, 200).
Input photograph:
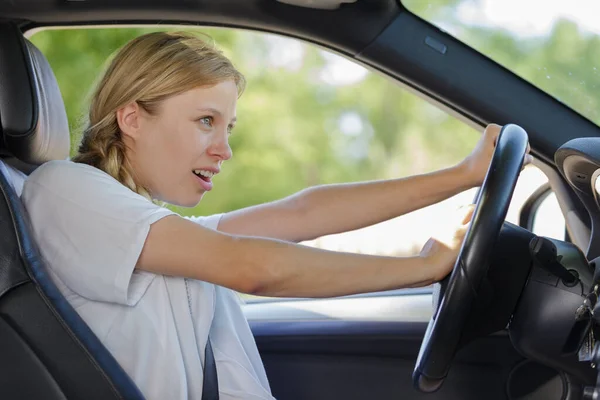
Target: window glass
point(554, 45)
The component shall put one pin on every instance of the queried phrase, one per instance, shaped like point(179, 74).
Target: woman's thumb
point(465, 213)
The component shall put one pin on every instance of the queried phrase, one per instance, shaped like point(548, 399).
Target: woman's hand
point(440, 252)
point(476, 164)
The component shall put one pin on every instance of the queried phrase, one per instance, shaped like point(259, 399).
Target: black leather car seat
point(46, 350)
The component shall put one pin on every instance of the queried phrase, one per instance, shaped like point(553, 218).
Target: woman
point(154, 286)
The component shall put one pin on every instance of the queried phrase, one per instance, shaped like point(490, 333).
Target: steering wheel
point(456, 294)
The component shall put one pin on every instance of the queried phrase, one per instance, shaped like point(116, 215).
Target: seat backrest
point(46, 350)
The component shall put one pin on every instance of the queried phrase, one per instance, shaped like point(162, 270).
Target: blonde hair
point(147, 70)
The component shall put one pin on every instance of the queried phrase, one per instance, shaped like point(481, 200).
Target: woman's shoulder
point(70, 189)
point(67, 178)
point(58, 171)
point(78, 184)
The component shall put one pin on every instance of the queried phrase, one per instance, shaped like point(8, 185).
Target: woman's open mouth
point(204, 178)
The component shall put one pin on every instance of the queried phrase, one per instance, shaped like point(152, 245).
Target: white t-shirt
point(91, 230)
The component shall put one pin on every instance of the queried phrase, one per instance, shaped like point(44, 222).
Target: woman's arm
point(328, 209)
point(178, 247)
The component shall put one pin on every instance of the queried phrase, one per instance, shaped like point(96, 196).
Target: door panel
point(311, 352)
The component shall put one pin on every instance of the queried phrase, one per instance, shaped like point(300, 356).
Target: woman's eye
point(208, 121)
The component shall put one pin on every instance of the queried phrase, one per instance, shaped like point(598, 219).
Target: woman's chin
point(185, 201)
point(192, 202)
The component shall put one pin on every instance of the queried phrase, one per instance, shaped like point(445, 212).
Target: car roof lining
point(265, 15)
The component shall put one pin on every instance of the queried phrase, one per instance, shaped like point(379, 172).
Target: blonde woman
point(158, 289)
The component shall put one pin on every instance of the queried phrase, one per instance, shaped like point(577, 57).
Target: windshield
point(555, 45)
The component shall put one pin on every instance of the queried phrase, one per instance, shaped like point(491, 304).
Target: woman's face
point(177, 152)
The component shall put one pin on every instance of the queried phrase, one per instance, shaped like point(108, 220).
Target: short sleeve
point(210, 222)
point(91, 230)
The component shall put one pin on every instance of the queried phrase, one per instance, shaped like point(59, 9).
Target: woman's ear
point(128, 118)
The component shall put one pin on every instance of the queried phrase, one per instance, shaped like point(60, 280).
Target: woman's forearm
point(328, 209)
point(332, 209)
point(290, 270)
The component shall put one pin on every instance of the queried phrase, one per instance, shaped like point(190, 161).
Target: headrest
point(33, 121)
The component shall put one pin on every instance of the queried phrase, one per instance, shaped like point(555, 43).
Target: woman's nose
point(220, 147)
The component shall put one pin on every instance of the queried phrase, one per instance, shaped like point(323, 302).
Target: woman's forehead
point(222, 93)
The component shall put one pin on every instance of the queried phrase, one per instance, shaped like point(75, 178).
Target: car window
point(545, 221)
point(554, 45)
point(548, 219)
point(307, 117)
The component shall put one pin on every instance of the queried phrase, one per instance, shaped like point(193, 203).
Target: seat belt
point(210, 385)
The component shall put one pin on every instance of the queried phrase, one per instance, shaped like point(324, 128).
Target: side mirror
point(541, 214)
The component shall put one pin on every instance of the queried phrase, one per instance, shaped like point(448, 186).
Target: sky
point(530, 17)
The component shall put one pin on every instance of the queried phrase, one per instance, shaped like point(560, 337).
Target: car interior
point(514, 320)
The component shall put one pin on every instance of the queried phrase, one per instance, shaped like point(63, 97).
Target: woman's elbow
point(253, 274)
point(255, 285)
point(249, 285)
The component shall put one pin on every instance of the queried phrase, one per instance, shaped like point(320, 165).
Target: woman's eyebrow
point(211, 110)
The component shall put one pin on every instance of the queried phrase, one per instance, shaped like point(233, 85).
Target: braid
point(103, 148)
